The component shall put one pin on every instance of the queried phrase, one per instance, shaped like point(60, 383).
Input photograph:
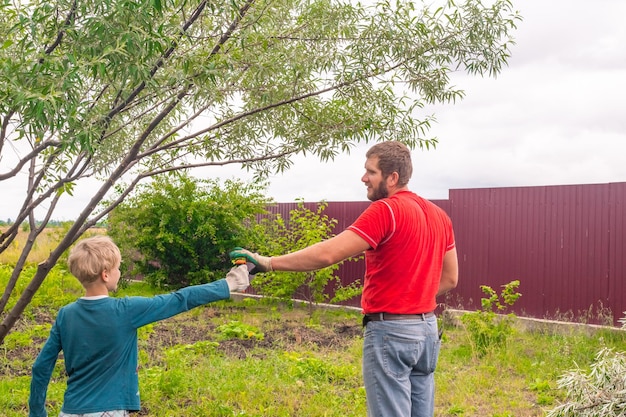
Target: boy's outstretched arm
point(145, 310)
point(41, 374)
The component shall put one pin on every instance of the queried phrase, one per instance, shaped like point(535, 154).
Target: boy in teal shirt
point(98, 334)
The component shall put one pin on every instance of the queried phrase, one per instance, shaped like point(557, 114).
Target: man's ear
point(104, 276)
point(392, 179)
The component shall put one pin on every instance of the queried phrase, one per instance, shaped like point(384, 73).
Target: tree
point(178, 231)
point(122, 90)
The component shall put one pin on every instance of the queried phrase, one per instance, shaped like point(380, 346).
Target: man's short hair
point(393, 156)
point(91, 256)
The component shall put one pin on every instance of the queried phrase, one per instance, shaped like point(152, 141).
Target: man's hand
point(237, 278)
point(261, 263)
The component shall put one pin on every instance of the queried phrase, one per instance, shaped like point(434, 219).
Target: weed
point(198, 348)
point(486, 329)
point(308, 366)
point(238, 330)
point(456, 410)
point(543, 390)
point(143, 333)
point(17, 339)
point(540, 385)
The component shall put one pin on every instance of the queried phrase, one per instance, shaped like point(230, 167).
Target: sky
point(554, 115)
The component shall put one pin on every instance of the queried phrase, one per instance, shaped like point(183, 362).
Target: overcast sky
point(554, 116)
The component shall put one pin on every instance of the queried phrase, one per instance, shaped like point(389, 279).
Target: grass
point(255, 357)
point(45, 242)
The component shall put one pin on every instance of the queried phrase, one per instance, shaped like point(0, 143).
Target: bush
point(303, 228)
point(177, 231)
point(487, 329)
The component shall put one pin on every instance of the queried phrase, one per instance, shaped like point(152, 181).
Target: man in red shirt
point(410, 259)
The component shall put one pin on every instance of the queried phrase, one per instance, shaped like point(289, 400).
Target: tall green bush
point(303, 228)
point(177, 231)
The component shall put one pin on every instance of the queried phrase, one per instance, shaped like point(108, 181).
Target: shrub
point(486, 328)
point(303, 228)
point(177, 231)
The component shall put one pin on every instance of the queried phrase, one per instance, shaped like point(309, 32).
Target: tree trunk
point(42, 271)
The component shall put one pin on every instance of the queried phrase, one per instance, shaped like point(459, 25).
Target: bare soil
point(290, 330)
point(283, 330)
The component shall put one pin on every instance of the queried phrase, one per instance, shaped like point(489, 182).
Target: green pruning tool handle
point(237, 257)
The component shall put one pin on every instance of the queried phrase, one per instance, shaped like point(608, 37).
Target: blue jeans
point(399, 361)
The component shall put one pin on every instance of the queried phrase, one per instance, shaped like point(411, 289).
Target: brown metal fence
point(565, 244)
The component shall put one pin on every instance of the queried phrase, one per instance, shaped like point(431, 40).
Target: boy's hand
point(261, 263)
point(237, 278)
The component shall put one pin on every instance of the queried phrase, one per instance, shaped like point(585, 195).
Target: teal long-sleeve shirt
point(99, 343)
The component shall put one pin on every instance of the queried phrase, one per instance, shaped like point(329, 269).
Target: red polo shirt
point(408, 236)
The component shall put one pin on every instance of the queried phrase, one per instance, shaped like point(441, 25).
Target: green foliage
point(599, 392)
point(17, 339)
point(86, 74)
point(509, 296)
point(308, 366)
point(455, 410)
point(25, 338)
point(544, 391)
point(199, 348)
point(14, 395)
point(274, 378)
point(238, 330)
point(58, 290)
point(177, 231)
point(486, 329)
point(302, 229)
point(143, 333)
point(120, 91)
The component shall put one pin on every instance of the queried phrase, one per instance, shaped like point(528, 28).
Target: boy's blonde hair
point(91, 256)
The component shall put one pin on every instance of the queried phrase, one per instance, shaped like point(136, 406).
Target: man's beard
point(379, 192)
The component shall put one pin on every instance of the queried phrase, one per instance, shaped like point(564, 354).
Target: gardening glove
point(261, 263)
point(237, 278)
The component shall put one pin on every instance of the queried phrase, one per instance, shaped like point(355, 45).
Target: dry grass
point(44, 244)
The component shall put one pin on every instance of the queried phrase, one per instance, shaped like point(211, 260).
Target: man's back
point(409, 236)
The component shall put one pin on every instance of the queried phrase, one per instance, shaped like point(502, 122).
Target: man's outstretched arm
point(317, 256)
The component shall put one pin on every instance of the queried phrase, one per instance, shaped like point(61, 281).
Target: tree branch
point(160, 62)
point(59, 38)
point(34, 153)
